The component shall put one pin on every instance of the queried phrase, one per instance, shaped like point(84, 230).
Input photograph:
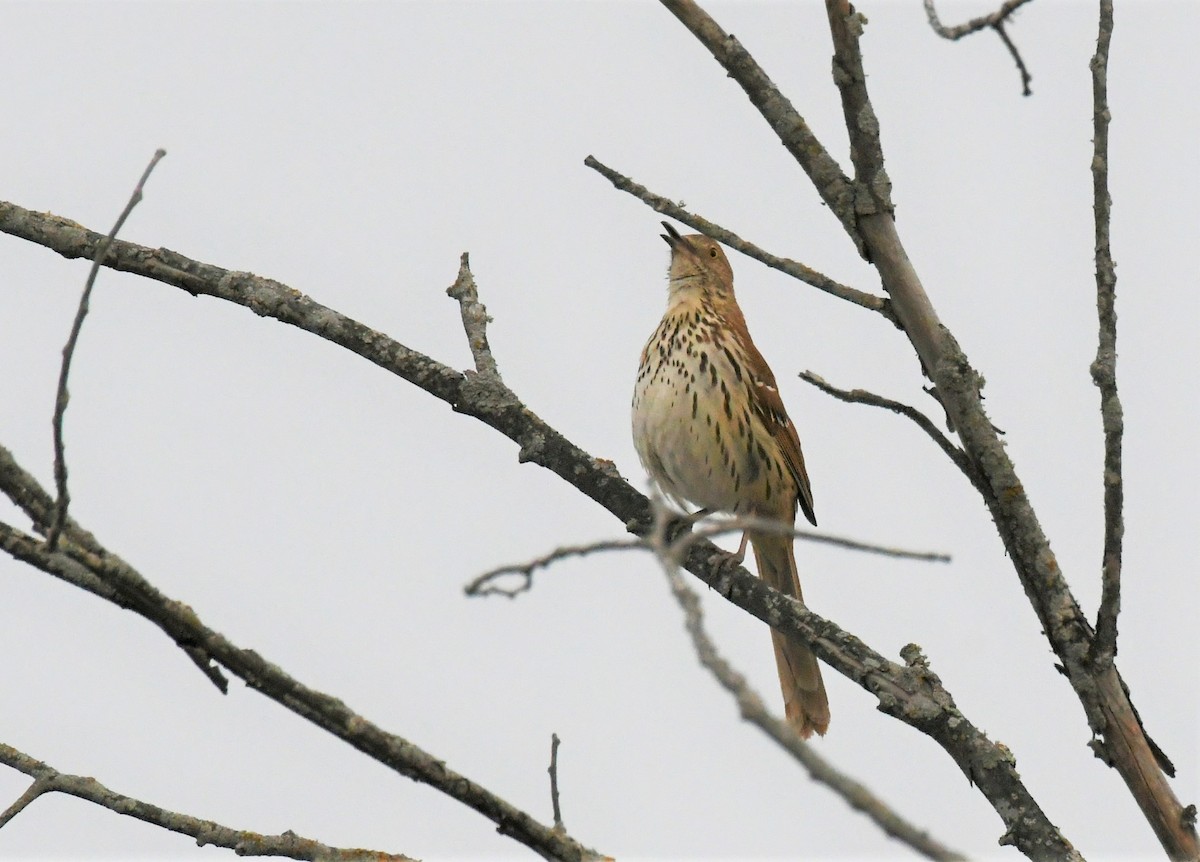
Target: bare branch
point(862, 396)
point(1104, 368)
point(727, 237)
point(996, 21)
point(752, 709)
point(184, 626)
point(243, 842)
point(474, 317)
point(61, 396)
point(553, 771)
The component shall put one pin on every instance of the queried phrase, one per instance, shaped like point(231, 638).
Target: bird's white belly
point(693, 436)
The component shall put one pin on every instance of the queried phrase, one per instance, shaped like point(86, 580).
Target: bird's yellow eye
point(712, 251)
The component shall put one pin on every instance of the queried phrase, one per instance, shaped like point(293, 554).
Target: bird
point(711, 431)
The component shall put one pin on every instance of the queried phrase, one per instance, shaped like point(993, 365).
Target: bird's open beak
point(672, 236)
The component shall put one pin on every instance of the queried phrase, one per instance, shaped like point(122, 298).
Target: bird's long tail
point(804, 699)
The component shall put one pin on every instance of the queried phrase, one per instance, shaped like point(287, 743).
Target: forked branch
point(995, 21)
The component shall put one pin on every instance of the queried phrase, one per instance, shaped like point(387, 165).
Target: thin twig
point(995, 21)
point(862, 396)
point(553, 770)
point(1026, 78)
point(727, 237)
point(474, 317)
point(61, 396)
point(746, 522)
point(753, 710)
point(1104, 368)
point(484, 584)
point(242, 842)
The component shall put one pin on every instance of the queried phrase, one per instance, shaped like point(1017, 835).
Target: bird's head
point(698, 263)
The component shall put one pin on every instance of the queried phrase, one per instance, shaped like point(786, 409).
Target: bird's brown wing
point(764, 393)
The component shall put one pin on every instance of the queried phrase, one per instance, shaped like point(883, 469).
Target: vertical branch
point(61, 397)
point(474, 317)
point(553, 770)
point(1104, 369)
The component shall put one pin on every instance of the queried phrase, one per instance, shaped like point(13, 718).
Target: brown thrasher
point(711, 430)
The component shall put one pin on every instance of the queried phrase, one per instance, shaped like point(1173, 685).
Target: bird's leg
point(735, 559)
point(740, 556)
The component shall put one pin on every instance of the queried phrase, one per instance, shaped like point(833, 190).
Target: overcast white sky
point(310, 506)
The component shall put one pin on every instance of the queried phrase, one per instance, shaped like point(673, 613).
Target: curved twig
point(862, 396)
point(995, 21)
point(61, 396)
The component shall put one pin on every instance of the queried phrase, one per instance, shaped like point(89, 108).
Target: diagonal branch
point(24, 490)
point(911, 693)
point(183, 625)
point(61, 397)
point(728, 238)
point(753, 710)
point(206, 832)
point(1104, 368)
